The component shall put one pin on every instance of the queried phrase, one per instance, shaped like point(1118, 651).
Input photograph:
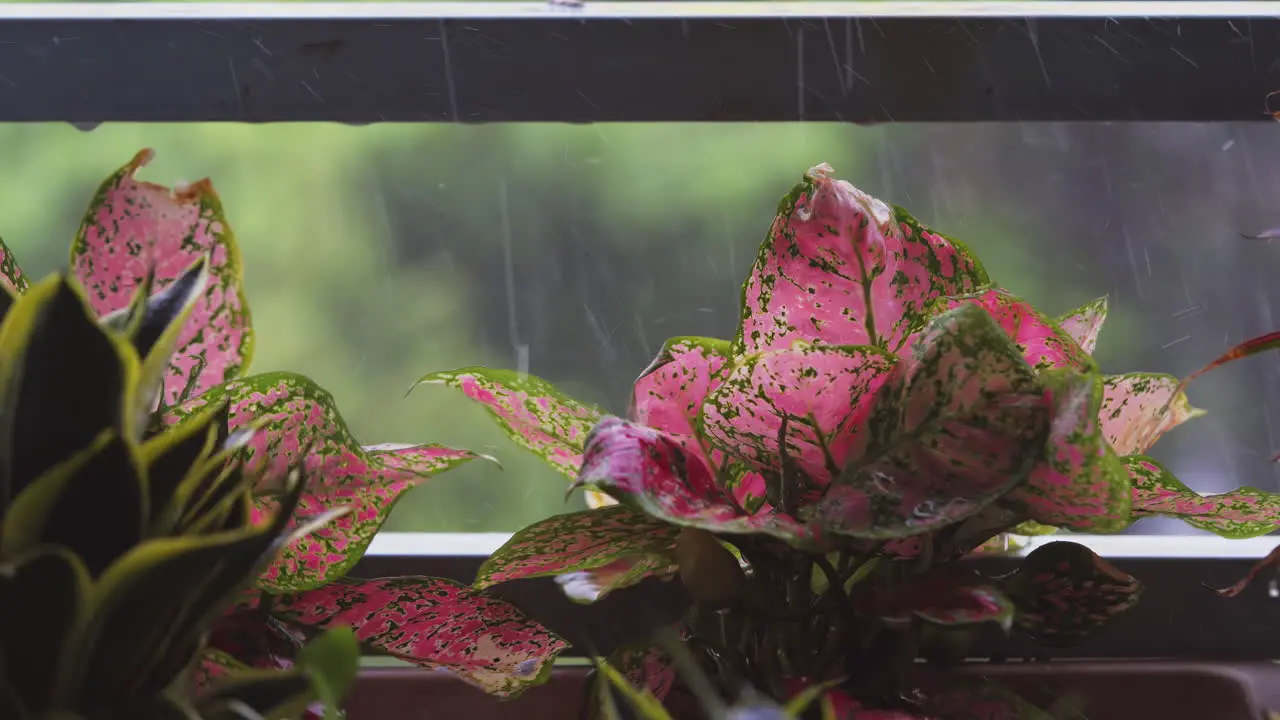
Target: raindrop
point(1273, 589)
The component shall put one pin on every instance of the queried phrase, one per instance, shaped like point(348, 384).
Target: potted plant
point(137, 244)
point(882, 412)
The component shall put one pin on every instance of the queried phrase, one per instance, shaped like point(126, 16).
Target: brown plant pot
point(1104, 690)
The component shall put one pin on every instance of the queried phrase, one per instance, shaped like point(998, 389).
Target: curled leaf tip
point(821, 171)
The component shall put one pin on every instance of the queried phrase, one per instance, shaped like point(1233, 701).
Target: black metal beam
point(1176, 618)
point(625, 62)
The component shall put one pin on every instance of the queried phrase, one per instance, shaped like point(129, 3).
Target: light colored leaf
point(132, 227)
point(840, 267)
point(1138, 408)
point(1084, 324)
point(436, 624)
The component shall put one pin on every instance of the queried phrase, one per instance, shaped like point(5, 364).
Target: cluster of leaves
point(882, 411)
point(120, 546)
point(139, 240)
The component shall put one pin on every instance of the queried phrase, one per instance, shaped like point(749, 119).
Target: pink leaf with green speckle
point(646, 667)
point(1242, 513)
point(824, 392)
point(648, 470)
point(1043, 343)
point(624, 545)
point(669, 393)
point(533, 413)
point(839, 267)
point(433, 623)
point(132, 227)
point(1080, 485)
point(943, 598)
point(1084, 324)
point(300, 416)
point(1137, 408)
point(10, 273)
point(951, 432)
point(1064, 593)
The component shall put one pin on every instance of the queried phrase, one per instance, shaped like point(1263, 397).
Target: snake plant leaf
point(65, 506)
point(269, 693)
point(42, 593)
point(1081, 484)
point(173, 458)
point(1064, 593)
point(133, 228)
point(152, 606)
point(532, 412)
point(433, 623)
point(959, 427)
point(1043, 342)
point(821, 394)
point(156, 338)
point(49, 337)
point(1084, 324)
point(839, 267)
point(606, 549)
point(296, 423)
point(1138, 408)
point(1241, 513)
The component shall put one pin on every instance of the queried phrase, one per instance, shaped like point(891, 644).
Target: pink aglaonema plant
point(882, 410)
point(135, 233)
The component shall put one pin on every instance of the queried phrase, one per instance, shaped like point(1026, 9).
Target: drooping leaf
point(1267, 563)
point(1064, 593)
point(1084, 324)
point(950, 433)
point(535, 415)
point(42, 594)
point(824, 393)
point(433, 623)
point(1248, 348)
point(839, 267)
point(647, 470)
point(1043, 342)
point(11, 276)
point(294, 416)
point(132, 228)
point(1241, 513)
point(1138, 408)
point(625, 546)
point(1080, 485)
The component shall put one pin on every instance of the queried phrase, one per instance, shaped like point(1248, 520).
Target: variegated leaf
point(1084, 324)
point(669, 394)
point(1242, 513)
point(1064, 593)
point(1267, 563)
point(132, 227)
point(959, 428)
point(645, 469)
point(433, 623)
point(298, 417)
point(646, 667)
point(1080, 485)
point(1138, 408)
point(840, 267)
point(823, 393)
point(10, 273)
point(533, 413)
point(623, 545)
point(1043, 343)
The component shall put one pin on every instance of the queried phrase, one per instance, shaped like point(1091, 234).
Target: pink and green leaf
point(1080, 485)
point(533, 413)
point(647, 470)
point(294, 417)
point(1268, 563)
point(1065, 593)
point(1043, 342)
point(1242, 513)
point(669, 394)
point(964, 424)
point(1084, 324)
point(646, 667)
point(10, 273)
point(433, 623)
point(1138, 408)
point(215, 664)
point(132, 227)
point(609, 549)
point(948, 603)
point(839, 267)
point(824, 393)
